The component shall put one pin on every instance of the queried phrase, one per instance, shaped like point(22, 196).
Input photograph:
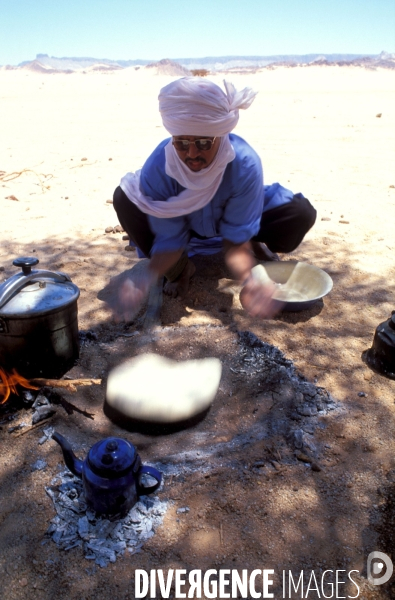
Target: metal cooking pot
point(38, 321)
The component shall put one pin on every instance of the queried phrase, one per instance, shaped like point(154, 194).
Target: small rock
point(129, 248)
point(368, 376)
point(345, 222)
point(303, 457)
point(39, 465)
point(109, 201)
point(125, 237)
point(307, 410)
point(183, 509)
point(23, 582)
point(379, 115)
point(276, 465)
point(325, 218)
point(82, 159)
point(12, 197)
point(362, 394)
point(109, 229)
point(118, 229)
point(298, 438)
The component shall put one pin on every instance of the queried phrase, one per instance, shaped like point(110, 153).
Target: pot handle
point(15, 283)
point(141, 489)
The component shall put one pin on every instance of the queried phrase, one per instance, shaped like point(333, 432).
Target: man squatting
point(206, 182)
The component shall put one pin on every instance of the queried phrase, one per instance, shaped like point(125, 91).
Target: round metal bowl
point(300, 285)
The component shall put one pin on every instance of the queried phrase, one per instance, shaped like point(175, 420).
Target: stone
point(153, 388)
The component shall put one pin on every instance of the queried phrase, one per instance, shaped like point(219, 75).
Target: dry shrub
point(200, 72)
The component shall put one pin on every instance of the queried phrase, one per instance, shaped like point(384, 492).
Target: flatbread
point(152, 388)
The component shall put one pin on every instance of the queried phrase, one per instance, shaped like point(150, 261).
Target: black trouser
point(282, 229)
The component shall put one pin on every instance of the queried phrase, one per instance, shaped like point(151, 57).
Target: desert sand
point(328, 132)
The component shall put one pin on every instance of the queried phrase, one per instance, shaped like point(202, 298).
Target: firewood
point(68, 384)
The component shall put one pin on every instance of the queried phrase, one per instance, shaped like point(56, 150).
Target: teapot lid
point(112, 457)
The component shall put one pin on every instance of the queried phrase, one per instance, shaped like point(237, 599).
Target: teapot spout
point(72, 462)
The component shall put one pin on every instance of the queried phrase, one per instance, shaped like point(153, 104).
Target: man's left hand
point(257, 299)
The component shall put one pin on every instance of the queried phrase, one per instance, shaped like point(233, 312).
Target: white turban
point(196, 106)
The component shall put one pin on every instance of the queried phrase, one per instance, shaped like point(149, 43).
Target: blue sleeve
point(243, 210)
point(170, 234)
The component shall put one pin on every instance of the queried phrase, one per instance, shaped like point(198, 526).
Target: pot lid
point(33, 293)
point(112, 457)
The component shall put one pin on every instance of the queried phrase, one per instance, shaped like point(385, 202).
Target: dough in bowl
point(152, 388)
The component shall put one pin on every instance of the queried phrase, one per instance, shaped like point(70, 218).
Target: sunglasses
point(203, 144)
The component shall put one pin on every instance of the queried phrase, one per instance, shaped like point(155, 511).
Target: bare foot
point(262, 252)
point(180, 286)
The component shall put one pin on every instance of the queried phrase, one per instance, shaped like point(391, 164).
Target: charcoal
point(298, 438)
point(40, 400)
point(43, 412)
point(48, 431)
point(83, 528)
point(27, 397)
point(39, 465)
point(101, 539)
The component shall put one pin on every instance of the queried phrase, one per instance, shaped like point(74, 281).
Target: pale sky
point(156, 29)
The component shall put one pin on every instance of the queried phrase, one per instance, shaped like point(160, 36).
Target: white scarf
point(200, 186)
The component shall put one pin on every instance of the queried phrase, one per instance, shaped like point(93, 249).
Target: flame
point(9, 383)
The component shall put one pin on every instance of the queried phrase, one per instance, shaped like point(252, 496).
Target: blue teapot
point(111, 474)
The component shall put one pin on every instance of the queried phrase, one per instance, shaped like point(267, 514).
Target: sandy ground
point(327, 132)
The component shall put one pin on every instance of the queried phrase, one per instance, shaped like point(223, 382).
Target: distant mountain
point(51, 64)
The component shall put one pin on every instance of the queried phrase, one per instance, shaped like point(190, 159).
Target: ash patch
point(286, 428)
point(101, 539)
point(268, 371)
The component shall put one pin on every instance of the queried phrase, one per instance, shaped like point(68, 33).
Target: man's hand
point(257, 299)
point(131, 295)
point(256, 296)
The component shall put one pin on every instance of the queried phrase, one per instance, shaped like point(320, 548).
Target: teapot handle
point(141, 489)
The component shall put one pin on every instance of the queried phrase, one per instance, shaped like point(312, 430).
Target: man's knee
point(284, 228)
point(307, 213)
point(118, 199)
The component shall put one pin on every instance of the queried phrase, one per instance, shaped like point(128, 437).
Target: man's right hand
point(131, 294)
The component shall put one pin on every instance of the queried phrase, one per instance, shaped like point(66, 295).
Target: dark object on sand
point(381, 356)
point(38, 321)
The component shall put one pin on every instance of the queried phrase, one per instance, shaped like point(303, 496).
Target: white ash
point(101, 539)
point(47, 431)
point(183, 509)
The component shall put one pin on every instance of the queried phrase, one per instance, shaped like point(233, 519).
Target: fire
point(9, 383)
